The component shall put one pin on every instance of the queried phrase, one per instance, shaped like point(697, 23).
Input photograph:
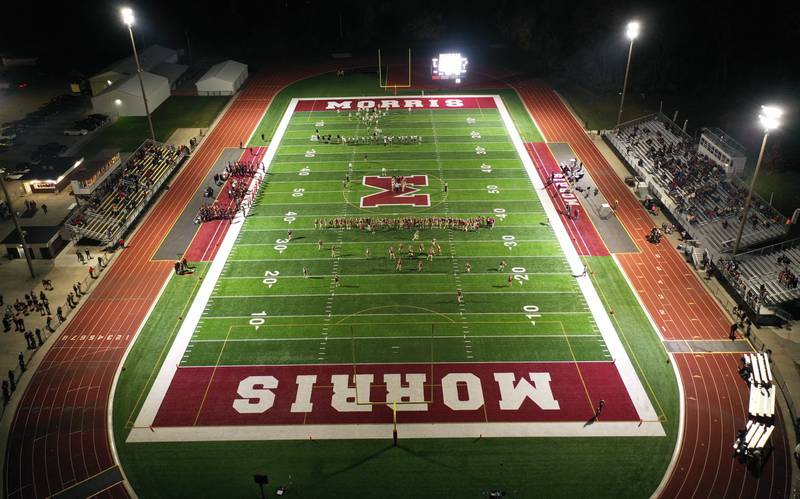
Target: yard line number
point(531, 313)
point(271, 278)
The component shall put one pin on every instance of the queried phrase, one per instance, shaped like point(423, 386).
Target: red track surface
point(714, 395)
point(209, 236)
point(582, 231)
point(59, 435)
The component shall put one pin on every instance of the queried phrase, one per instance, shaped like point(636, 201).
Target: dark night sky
point(732, 51)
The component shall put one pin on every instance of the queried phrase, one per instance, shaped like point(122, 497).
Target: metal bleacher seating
point(751, 442)
point(111, 209)
point(760, 269)
point(693, 189)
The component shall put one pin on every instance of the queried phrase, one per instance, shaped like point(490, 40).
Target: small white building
point(124, 97)
point(149, 59)
point(723, 150)
point(224, 78)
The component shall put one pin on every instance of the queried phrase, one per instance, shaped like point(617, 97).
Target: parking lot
point(40, 133)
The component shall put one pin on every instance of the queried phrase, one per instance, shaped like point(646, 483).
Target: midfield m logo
point(396, 191)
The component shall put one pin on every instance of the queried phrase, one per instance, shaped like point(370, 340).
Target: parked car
point(101, 119)
point(76, 131)
point(88, 124)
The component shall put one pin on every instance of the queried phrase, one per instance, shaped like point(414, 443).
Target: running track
point(715, 397)
point(59, 435)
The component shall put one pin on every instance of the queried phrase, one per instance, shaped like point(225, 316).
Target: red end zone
point(426, 393)
point(436, 102)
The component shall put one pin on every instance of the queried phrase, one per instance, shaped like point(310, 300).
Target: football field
point(483, 316)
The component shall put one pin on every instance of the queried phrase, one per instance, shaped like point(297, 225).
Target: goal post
point(381, 75)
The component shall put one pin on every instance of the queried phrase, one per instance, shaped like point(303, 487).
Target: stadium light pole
point(128, 19)
point(632, 31)
point(25, 248)
point(770, 119)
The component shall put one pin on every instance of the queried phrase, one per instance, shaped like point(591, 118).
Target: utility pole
point(25, 248)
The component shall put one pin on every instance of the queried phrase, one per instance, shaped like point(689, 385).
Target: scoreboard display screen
point(449, 66)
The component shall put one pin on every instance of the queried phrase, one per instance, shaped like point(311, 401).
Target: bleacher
point(694, 189)
point(111, 209)
point(760, 269)
point(752, 442)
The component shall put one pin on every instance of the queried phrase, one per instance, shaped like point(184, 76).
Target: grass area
point(128, 133)
point(359, 333)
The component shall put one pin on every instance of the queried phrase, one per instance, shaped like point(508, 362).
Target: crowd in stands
point(697, 187)
point(110, 208)
point(764, 277)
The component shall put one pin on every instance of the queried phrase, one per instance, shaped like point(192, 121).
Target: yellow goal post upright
point(392, 405)
point(385, 85)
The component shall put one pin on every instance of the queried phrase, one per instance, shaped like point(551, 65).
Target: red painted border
point(582, 231)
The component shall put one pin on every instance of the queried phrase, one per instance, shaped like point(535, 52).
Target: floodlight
point(118, 102)
point(127, 15)
point(770, 117)
point(449, 66)
point(632, 30)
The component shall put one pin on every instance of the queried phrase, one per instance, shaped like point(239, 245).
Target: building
point(224, 78)
point(124, 97)
point(150, 58)
point(723, 150)
point(43, 242)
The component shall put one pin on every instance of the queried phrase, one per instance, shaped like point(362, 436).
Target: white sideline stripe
point(383, 431)
point(626, 371)
point(458, 337)
point(170, 366)
point(682, 403)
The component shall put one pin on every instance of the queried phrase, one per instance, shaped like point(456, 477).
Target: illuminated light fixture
point(118, 102)
point(109, 82)
point(632, 31)
point(449, 66)
point(127, 15)
point(770, 117)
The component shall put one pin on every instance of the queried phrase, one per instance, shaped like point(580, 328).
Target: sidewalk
point(15, 281)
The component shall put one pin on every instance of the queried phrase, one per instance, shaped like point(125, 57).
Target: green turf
point(128, 133)
point(357, 84)
point(364, 324)
point(362, 327)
